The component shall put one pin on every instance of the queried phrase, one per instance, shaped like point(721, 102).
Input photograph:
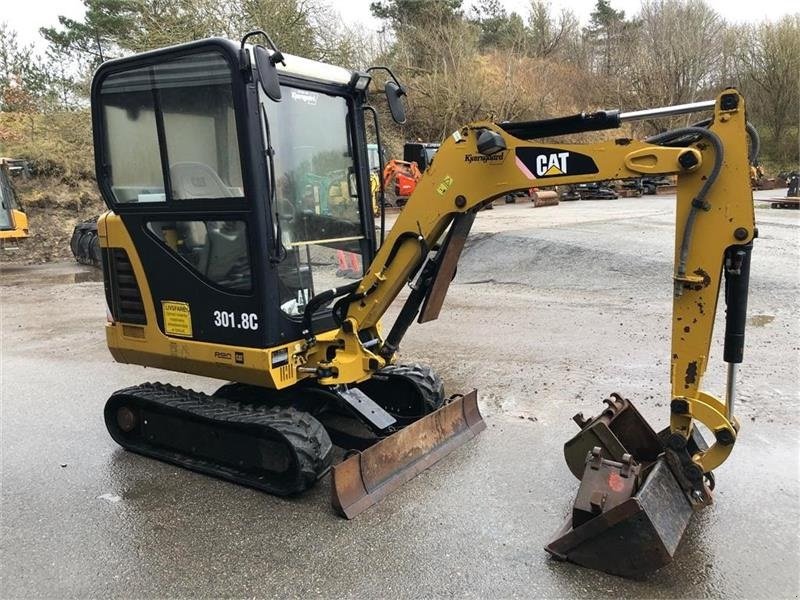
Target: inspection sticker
point(444, 185)
point(177, 318)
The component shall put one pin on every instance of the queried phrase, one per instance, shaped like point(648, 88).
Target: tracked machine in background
point(13, 220)
point(216, 263)
point(85, 243)
point(792, 199)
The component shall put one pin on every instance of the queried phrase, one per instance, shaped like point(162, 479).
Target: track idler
point(637, 493)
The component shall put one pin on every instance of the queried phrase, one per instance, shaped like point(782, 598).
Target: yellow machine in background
point(13, 220)
point(215, 265)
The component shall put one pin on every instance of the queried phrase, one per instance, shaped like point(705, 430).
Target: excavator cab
point(239, 201)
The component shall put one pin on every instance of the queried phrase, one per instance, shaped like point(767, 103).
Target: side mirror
point(267, 73)
point(394, 93)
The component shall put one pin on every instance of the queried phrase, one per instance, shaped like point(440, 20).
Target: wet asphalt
point(552, 309)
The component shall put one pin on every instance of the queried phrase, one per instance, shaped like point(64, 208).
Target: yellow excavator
point(217, 264)
point(13, 220)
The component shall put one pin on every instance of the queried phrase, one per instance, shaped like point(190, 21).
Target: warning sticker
point(177, 318)
point(444, 185)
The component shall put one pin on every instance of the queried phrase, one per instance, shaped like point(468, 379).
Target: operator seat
point(220, 246)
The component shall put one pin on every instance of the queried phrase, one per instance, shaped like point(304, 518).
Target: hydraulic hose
point(752, 133)
point(320, 300)
point(755, 143)
point(699, 202)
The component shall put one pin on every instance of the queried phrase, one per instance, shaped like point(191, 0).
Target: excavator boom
point(669, 474)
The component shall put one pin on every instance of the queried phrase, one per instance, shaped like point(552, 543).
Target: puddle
point(90, 275)
point(760, 320)
point(35, 274)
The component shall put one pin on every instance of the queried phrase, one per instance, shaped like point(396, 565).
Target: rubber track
point(310, 443)
point(426, 382)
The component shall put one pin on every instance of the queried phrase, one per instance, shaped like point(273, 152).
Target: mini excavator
point(220, 259)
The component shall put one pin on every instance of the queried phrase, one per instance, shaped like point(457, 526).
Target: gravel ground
point(552, 309)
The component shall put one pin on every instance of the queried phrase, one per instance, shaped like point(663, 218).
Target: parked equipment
point(212, 268)
point(399, 181)
point(420, 153)
point(651, 185)
point(85, 243)
point(13, 220)
point(792, 199)
point(400, 177)
point(588, 191)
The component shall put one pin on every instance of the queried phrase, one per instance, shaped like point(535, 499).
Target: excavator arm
point(483, 161)
point(713, 238)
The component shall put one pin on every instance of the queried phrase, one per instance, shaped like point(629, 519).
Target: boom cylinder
point(667, 111)
point(737, 280)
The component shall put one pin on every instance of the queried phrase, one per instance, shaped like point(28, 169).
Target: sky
point(27, 16)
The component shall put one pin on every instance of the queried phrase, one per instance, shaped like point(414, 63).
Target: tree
point(112, 28)
point(498, 29)
point(769, 72)
point(414, 13)
point(106, 27)
point(550, 36)
point(23, 79)
point(677, 54)
point(607, 29)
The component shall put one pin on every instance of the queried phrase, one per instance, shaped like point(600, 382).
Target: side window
point(196, 99)
point(131, 144)
point(170, 131)
point(217, 250)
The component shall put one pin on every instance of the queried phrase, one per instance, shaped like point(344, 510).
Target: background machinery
point(792, 199)
point(421, 153)
point(400, 177)
point(85, 243)
point(13, 220)
point(215, 265)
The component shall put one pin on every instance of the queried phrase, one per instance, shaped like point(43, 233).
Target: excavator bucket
point(631, 510)
point(366, 477)
point(632, 538)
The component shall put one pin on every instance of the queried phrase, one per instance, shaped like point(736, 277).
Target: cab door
point(170, 146)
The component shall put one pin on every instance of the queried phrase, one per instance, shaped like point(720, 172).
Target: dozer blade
point(365, 478)
point(631, 510)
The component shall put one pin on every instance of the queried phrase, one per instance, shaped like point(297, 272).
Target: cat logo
point(548, 165)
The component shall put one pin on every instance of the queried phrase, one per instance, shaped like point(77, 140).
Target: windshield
point(316, 196)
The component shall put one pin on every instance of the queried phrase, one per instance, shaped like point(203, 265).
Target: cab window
point(316, 194)
point(170, 131)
